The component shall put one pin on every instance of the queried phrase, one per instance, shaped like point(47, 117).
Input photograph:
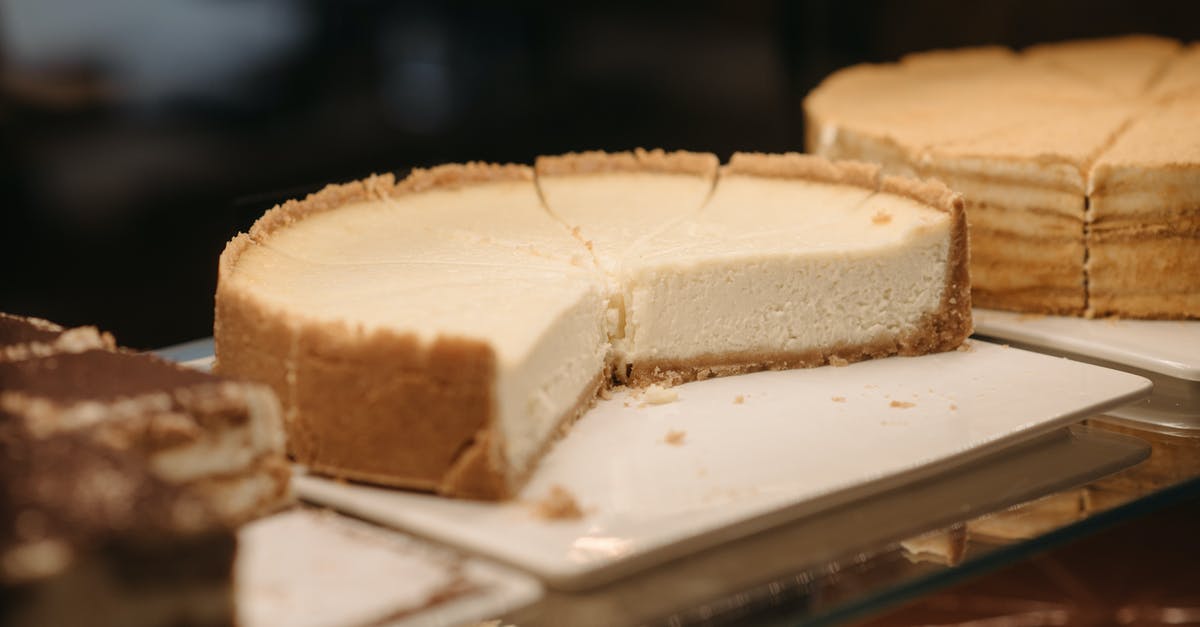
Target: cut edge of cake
point(939, 331)
point(701, 164)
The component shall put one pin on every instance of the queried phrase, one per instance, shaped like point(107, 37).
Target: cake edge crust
point(702, 164)
point(386, 186)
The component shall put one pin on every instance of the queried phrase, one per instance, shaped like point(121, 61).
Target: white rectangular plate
point(801, 441)
point(309, 568)
point(1166, 347)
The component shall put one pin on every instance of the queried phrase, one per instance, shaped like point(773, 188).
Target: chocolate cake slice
point(22, 338)
point(122, 480)
point(220, 439)
point(90, 535)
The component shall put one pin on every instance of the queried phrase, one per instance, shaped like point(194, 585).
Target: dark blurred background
point(137, 136)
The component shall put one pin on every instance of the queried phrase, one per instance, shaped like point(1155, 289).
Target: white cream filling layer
point(782, 303)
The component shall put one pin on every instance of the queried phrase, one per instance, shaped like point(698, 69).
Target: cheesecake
point(431, 333)
point(1076, 162)
point(438, 332)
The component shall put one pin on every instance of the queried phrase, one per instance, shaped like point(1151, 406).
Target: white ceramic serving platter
point(312, 568)
point(1167, 347)
point(1165, 351)
point(801, 441)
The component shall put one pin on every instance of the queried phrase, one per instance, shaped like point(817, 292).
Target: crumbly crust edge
point(385, 186)
point(702, 164)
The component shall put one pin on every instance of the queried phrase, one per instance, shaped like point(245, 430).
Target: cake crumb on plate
point(675, 437)
point(838, 399)
point(658, 395)
point(739, 399)
point(558, 504)
point(902, 404)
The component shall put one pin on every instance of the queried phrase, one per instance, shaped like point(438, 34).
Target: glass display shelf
point(862, 558)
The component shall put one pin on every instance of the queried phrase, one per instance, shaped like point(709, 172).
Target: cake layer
point(1144, 218)
point(1127, 66)
point(1102, 132)
point(187, 425)
point(22, 338)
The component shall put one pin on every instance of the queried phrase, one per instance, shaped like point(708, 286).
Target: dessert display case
point(681, 374)
point(868, 552)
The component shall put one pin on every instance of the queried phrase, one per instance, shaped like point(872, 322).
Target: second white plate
point(1166, 347)
point(736, 455)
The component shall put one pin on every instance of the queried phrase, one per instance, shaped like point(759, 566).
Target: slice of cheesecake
point(797, 262)
point(432, 333)
point(613, 202)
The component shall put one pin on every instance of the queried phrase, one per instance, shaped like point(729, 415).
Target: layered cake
point(89, 535)
point(121, 479)
point(22, 337)
point(198, 432)
point(1077, 161)
point(437, 332)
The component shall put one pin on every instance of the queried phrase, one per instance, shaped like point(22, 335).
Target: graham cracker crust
point(701, 164)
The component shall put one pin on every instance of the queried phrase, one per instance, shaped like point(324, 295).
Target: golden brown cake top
point(1126, 66)
point(1180, 78)
point(701, 164)
point(1043, 117)
point(1165, 137)
point(382, 186)
point(794, 165)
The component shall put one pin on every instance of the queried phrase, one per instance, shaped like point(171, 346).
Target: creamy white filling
point(783, 303)
point(784, 266)
point(533, 393)
point(230, 450)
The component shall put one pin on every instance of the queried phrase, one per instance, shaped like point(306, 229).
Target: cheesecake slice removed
point(798, 262)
